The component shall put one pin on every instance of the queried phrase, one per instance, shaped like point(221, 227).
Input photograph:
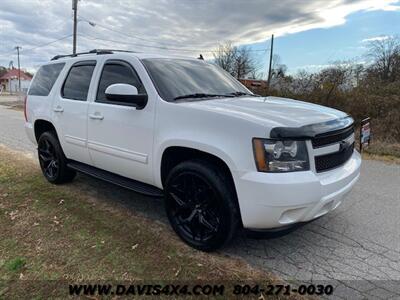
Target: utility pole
point(19, 69)
point(75, 9)
point(270, 60)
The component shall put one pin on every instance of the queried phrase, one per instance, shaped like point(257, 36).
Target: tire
point(52, 159)
point(201, 205)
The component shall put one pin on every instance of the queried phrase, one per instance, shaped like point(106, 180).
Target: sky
point(309, 34)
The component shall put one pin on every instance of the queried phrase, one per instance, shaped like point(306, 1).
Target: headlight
point(280, 156)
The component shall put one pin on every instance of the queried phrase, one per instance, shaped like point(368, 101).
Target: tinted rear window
point(45, 79)
point(77, 84)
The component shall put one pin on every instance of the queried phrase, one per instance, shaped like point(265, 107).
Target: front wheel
point(201, 205)
point(52, 159)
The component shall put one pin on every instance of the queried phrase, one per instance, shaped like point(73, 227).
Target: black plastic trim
point(327, 162)
point(84, 63)
point(332, 137)
point(131, 184)
point(127, 100)
point(94, 51)
point(312, 130)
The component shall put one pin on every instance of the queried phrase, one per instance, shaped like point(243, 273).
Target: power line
point(159, 47)
point(126, 42)
point(38, 46)
point(143, 45)
point(120, 42)
point(151, 41)
point(125, 34)
point(49, 43)
point(8, 52)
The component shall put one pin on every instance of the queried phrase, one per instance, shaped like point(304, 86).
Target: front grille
point(333, 160)
point(332, 137)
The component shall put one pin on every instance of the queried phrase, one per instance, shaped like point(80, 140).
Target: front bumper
point(271, 200)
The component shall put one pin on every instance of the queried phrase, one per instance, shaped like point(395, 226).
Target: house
point(255, 85)
point(9, 81)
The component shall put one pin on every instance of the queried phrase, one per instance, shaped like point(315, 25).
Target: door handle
point(96, 117)
point(58, 109)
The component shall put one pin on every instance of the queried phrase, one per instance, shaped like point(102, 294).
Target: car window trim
point(78, 64)
point(122, 63)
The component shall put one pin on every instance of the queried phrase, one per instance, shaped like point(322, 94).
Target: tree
point(334, 79)
point(225, 57)
point(303, 82)
point(385, 53)
point(3, 70)
point(238, 61)
point(278, 70)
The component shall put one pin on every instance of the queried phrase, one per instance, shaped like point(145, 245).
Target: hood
point(270, 111)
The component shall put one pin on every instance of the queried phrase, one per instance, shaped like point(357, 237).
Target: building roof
point(253, 82)
point(13, 74)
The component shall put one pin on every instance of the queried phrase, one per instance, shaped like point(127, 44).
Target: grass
point(17, 105)
point(54, 233)
point(15, 265)
point(383, 150)
point(385, 158)
point(13, 101)
point(386, 151)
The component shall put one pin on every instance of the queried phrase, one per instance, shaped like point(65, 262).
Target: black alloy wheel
point(48, 159)
point(200, 205)
point(52, 159)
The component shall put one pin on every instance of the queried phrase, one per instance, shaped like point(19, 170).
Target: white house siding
point(12, 85)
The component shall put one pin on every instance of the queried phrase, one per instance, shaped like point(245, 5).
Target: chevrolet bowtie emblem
point(344, 145)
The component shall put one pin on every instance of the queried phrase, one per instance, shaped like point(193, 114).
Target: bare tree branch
point(239, 62)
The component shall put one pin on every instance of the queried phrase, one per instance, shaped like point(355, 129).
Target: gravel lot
point(356, 248)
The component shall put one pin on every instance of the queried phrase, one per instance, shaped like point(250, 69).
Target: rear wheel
point(201, 205)
point(52, 159)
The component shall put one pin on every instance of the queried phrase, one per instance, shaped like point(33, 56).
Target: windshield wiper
point(201, 95)
point(237, 93)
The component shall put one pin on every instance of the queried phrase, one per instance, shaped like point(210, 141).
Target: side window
point(45, 79)
point(117, 72)
point(76, 85)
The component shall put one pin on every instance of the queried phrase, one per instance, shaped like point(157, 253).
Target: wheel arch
point(186, 148)
point(41, 125)
point(173, 155)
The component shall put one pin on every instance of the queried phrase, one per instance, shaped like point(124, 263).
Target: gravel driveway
point(356, 248)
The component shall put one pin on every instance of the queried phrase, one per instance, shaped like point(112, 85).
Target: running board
point(128, 183)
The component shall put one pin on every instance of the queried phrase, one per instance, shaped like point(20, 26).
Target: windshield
point(183, 78)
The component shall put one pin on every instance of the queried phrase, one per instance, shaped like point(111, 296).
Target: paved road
point(12, 131)
point(356, 247)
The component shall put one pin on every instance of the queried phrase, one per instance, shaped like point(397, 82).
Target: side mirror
point(126, 94)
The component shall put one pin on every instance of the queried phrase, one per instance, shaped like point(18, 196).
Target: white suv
point(184, 129)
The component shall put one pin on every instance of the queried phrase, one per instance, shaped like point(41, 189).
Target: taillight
point(25, 108)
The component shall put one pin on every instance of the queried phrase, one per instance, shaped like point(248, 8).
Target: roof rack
point(94, 51)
